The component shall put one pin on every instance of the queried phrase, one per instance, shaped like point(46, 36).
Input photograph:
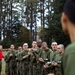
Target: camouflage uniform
point(47, 56)
point(35, 63)
point(11, 63)
point(19, 63)
point(25, 62)
point(7, 69)
point(55, 53)
point(58, 61)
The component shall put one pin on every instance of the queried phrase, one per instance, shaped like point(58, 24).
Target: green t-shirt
point(68, 62)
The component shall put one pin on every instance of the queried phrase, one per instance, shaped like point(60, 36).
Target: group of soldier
point(38, 60)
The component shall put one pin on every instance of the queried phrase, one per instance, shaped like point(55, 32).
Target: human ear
point(64, 22)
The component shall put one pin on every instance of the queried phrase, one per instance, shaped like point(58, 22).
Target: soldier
point(35, 54)
point(19, 49)
point(7, 65)
point(54, 47)
point(25, 59)
point(1, 57)
point(33, 58)
point(10, 60)
point(39, 42)
point(68, 25)
point(34, 43)
point(57, 60)
point(19, 63)
point(46, 56)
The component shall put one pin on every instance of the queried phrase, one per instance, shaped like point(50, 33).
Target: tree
point(54, 30)
point(11, 24)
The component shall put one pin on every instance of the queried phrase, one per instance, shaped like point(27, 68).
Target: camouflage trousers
point(10, 69)
point(19, 68)
point(25, 68)
point(13, 67)
point(37, 69)
point(46, 71)
point(7, 69)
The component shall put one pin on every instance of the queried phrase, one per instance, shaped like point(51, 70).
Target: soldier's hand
point(41, 60)
point(51, 74)
point(11, 54)
point(54, 63)
point(29, 53)
point(25, 56)
point(46, 66)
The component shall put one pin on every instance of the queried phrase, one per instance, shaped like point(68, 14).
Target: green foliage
point(57, 32)
point(23, 37)
point(54, 30)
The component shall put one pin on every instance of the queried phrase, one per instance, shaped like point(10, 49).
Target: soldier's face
point(39, 43)
point(20, 49)
point(54, 46)
point(59, 49)
point(12, 47)
point(25, 47)
point(34, 44)
point(44, 47)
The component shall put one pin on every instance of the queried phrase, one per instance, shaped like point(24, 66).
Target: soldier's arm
point(24, 56)
point(7, 57)
point(51, 55)
point(17, 56)
point(33, 57)
point(57, 60)
point(40, 52)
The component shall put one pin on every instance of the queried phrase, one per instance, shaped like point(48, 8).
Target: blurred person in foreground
point(68, 25)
